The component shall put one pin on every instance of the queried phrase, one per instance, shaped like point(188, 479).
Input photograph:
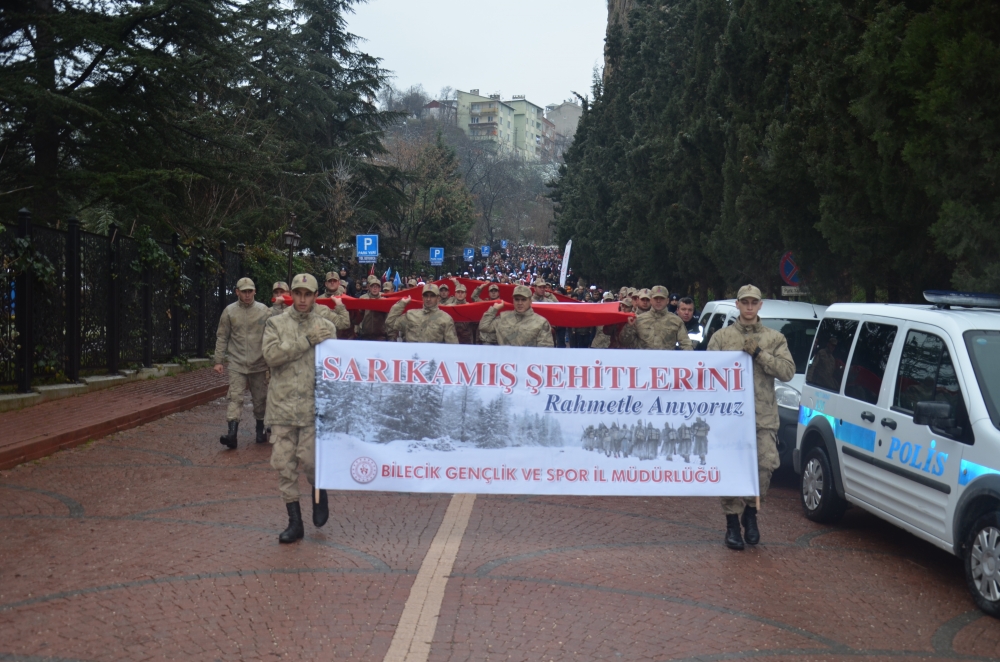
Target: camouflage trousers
point(767, 462)
point(238, 383)
point(293, 450)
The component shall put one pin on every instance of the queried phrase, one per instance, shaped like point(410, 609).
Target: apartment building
point(516, 124)
point(485, 117)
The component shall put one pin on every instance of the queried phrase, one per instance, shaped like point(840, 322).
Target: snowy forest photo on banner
point(522, 420)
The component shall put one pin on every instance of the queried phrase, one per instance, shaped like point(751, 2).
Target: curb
point(47, 393)
point(42, 446)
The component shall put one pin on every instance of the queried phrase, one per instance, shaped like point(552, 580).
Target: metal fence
point(73, 301)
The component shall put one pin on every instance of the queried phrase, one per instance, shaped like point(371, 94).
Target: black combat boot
point(321, 510)
point(733, 538)
point(261, 436)
point(229, 440)
point(750, 529)
point(295, 531)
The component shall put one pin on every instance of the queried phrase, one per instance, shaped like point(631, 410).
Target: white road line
point(417, 623)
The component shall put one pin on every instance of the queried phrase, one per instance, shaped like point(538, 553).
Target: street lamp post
point(292, 241)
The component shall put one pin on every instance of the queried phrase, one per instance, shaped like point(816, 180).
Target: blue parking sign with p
point(503, 244)
point(485, 250)
point(469, 254)
point(437, 256)
point(367, 248)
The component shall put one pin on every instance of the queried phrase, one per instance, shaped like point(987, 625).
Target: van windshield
point(799, 334)
point(984, 350)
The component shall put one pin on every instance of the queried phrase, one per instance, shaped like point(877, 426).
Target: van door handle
point(889, 423)
point(868, 416)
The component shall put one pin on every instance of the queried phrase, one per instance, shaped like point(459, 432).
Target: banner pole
point(757, 507)
point(316, 496)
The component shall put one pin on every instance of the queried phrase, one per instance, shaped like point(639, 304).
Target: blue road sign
point(503, 244)
point(367, 248)
point(437, 256)
point(485, 250)
point(469, 254)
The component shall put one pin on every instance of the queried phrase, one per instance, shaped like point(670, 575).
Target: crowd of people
point(270, 351)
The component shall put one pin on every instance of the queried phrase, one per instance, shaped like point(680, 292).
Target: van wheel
point(819, 496)
point(982, 563)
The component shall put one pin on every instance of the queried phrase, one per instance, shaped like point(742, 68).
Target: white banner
point(565, 263)
point(417, 417)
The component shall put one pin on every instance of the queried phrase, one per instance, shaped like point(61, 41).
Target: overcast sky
point(539, 48)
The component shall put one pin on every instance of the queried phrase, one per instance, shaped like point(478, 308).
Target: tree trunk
point(45, 134)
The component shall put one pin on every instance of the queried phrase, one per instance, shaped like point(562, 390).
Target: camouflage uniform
point(289, 350)
point(669, 441)
point(370, 323)
point(238, 346)
point(338, 316)
point(601, 340)
point(656, 329)
point(528, 329)
point(429, 324)
point(466, 331)
point(684, 441)
point(476, 293)
point(700, 431)
point(773, 362)
point(446, 300)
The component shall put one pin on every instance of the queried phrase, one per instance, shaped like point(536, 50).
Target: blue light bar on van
point(945, 298)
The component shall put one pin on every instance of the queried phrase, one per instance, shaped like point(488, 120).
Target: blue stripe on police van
point(847, 433)
point(969, 471)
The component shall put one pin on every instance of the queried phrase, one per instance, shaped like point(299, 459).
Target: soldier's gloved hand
point(316, 335)
point(750, 346)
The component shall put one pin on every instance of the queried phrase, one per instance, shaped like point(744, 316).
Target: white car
point(797, 321)
point(900, 415)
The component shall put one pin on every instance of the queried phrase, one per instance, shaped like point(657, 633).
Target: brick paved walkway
point(43, 429)
point(157, 543)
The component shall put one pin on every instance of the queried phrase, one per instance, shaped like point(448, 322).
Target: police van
point(900, 415)
point(797, 321)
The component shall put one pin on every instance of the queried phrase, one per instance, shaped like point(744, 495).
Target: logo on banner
point(364, 470)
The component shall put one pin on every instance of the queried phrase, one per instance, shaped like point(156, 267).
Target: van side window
point(829, 353)
point(926, 373)
point(714, 326)
point(871, 354)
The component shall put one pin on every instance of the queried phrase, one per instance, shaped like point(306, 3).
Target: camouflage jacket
point(773, 362)
point(656, 330)
point(466, 331)
point(528, 329)
point(601, 339)
point(371, 325)
point(338, 316)
point(542, 297)
point(238, 340)
point(292, 359)
point(421, 325)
